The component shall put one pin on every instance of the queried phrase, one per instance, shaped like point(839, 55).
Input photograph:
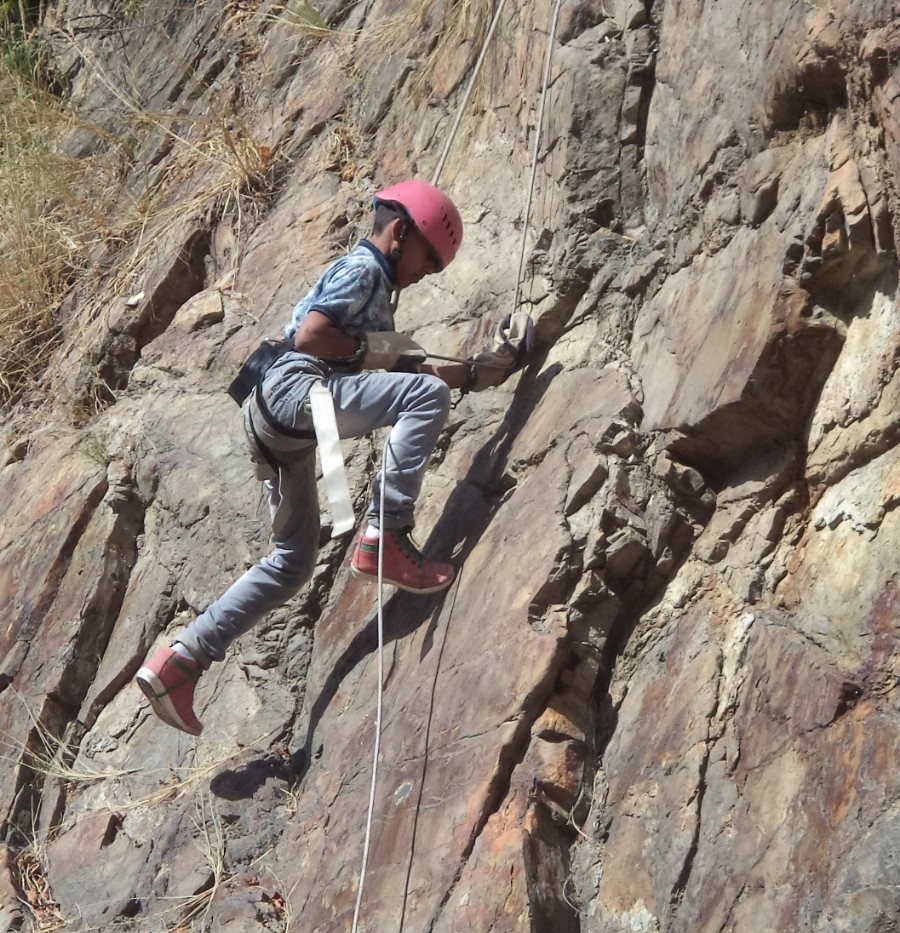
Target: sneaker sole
point(154, 690)
point(402, 586)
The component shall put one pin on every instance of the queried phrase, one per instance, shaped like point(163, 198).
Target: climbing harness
point(255, 367)
point(447, 147)
point(247, 391)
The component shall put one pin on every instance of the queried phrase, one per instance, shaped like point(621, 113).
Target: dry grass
point(46, 755)
point(468, 22)
point(70, 223)
point(305, 19)
point(186, 780)
point(218, 148)
point(211, 842)
point(465, 24)
point(45, 235)
point(29, 871)
point(37, 898)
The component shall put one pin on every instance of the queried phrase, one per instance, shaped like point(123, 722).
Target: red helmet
point(433, 213)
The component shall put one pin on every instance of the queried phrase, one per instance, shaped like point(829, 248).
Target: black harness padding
point(256, 366)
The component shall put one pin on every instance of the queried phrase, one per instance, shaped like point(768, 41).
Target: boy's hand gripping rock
point(509, 352)
point(384, 350)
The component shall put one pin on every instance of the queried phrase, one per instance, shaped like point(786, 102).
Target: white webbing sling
point(334, 476)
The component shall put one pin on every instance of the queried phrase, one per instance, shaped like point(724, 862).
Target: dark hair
point(385, 213)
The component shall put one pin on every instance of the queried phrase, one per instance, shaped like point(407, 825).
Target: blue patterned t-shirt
point(354, 293)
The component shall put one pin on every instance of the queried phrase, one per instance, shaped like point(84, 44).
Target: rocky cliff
point(662, 694)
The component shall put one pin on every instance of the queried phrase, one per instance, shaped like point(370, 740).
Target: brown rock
point(662, 693)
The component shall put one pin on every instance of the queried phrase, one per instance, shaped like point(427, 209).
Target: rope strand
point(534, 159)
point(379, 693)
point(380, 613)
point(468, 94)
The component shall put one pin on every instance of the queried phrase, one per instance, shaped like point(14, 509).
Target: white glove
point(509, 351)
point(385, 348)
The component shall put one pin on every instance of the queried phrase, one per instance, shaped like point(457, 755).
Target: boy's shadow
point(403, 613)
point(244, 782)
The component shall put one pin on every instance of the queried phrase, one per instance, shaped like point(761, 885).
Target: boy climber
point(342, 335)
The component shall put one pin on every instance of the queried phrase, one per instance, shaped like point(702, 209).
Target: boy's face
point(417, 259)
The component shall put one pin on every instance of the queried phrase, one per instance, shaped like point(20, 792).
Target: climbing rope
point(379, 694)
point(437, 174)
point(538, 130)
point(464, 102)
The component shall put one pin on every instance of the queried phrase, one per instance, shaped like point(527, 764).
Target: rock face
point(662, 694)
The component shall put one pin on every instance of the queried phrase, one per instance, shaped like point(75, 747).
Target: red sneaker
point(168, 682)
point(403, 564)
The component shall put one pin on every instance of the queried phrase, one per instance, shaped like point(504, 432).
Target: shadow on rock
point(244, 782)
point(467, 514)
point(399, 622)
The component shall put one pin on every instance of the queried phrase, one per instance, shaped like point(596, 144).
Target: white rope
point(534, 159)
point(468, 94)
point(379, 693)
point(538, 131)
point(437, 174)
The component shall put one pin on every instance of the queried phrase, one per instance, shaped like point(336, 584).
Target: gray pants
point(415, 405)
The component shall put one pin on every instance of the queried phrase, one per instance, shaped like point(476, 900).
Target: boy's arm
point(456, 375)
point(317, 336)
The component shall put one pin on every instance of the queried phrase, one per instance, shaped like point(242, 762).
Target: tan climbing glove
point(384, 350)
point(509, 351)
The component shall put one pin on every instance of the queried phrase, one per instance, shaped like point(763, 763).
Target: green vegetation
point(20, 51)
point(36, 230)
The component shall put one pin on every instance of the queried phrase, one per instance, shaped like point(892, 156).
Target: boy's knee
point(294, 568)
point(439, 391)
